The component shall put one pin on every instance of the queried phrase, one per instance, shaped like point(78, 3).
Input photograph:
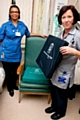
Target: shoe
point(16, 88)
point(49, 110)
point(56, 116)
point(11, 93)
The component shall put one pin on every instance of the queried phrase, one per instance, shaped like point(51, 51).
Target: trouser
point(11, 74)
point(59, 99)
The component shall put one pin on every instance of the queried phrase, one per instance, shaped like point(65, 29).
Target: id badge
point(17, 33)
point(2, 55)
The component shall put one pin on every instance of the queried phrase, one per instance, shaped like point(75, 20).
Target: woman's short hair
point(14, 6)
point(65, 9)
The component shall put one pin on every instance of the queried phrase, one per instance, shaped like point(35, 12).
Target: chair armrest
point(20, 68)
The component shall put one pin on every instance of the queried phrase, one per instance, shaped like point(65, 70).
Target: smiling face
point(67, 20)
point(14, 13)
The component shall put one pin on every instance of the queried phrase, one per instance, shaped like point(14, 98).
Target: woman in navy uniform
point(11, 33)
point(63, 77)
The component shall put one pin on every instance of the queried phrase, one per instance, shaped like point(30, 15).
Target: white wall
point(4, 8)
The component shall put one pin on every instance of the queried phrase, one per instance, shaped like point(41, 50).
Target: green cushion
point(34, 86)
point(34, 90)
point(34, 75)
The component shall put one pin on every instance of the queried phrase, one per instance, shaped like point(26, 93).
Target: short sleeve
point(78, 41)
point(27, 33)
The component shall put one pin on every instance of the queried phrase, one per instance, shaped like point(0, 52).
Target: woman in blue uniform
point(11, 33)
point(63, 78)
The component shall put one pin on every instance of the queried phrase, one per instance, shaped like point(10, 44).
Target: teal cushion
point(33, 86)
point(34, 90)
point(34, 75)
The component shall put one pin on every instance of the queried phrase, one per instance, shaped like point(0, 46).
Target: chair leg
point(49, 98)
point(19, 97)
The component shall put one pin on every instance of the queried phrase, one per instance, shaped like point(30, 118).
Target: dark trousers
point(11, 74)
point(59, 99)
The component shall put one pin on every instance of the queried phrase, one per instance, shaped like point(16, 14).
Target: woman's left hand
point(43, 36)
point(67, 50)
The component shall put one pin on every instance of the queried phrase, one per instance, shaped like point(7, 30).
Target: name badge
point(2, 55)
point(17, 33)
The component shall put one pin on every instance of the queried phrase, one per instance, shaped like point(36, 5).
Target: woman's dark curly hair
point(65, 9)
point(14, 6)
